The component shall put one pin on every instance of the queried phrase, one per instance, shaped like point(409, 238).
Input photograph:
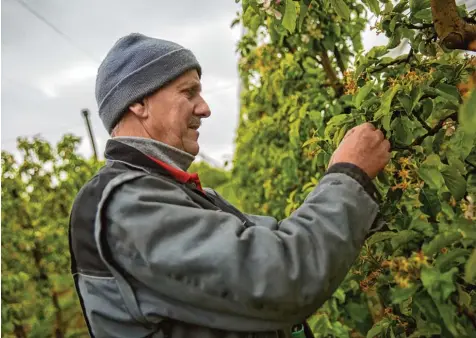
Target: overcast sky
point(49, 62)
point(51, 50)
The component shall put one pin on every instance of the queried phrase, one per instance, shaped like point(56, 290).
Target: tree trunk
point(19, 331)
point(43, 276)
point(59, 330)
point(452, 30)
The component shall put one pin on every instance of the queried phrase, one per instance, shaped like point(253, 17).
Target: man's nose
point(203, 109)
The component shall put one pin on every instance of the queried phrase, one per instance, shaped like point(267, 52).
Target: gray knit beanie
point(135, 67)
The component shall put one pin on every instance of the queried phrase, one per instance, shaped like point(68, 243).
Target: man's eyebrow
point(192, 84)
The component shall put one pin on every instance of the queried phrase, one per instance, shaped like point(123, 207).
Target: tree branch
point(453, 31)
point(394, 62)
point(330, 73)
point(422, 26)
point(464, 310)
point(339, 60)
point(431, 132)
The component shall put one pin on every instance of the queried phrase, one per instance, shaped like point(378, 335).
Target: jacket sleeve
point(208, 260)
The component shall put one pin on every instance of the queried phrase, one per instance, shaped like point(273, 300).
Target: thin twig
point(423, 26)
point(431, 132)
point(464, 310)
point(422, 122)
point(394, 62)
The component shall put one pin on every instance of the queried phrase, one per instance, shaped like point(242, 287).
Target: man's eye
point(190, 92)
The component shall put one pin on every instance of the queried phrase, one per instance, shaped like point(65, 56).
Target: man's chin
point(192, 148)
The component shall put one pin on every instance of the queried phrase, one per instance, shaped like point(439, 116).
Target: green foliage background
point(306, 81)
point(38, 296)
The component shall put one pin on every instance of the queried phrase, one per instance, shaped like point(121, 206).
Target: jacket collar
point(159, 150)
point(118, 151)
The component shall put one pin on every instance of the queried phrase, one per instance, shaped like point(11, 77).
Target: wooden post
point(85, 113)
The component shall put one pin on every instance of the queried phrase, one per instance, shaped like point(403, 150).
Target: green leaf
point(422, 226)
point(455, 182)
point(432, 176)
point(248, 17)
point(340, 119)
point(431, 203)
point(448, 314)
point(427, 306)
point(393, 23)
point(403, 130)
point(416, 94)
point(379, 328)
point(418, 5)
point(440, 241)
point(429, 172)
point(460, 144)
point(339, 294)
point(339, 135)
point(406, 102)
point(450, 259)
point(311, 141)
point(341, 8)
point(290, 16)
point(424, 15)
point(398, 294)
point(471, 184)
point(449, 92)
point(406, 307)
point(467, 114)
point(328, 42)
point(381, 236)
point(427, 108)
point(401, 6)
point(376, 52)
point(363, 92)
point(386, 102)
point(303, 9)
point(439, 285)
point(373, 6)
point(455, 162)
point(464, 297)
point(255, 23)
point(404, 237)
point(470, 269)
point(429, 330)
point(395, 38)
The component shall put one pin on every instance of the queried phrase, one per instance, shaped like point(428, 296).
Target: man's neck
point(159, 150)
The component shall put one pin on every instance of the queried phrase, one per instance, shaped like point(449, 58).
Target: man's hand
point(365, 147)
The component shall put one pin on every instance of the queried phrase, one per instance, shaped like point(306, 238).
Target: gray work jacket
point(154, 255)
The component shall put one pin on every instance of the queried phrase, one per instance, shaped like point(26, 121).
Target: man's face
point(174, 113)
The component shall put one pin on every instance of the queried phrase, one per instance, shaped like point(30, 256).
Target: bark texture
point(452, 30)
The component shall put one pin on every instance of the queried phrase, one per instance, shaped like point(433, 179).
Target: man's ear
point(139, 109)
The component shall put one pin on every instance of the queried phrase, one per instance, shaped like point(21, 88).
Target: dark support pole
point(85, 113)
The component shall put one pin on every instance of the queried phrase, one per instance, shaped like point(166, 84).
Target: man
point(156, 255)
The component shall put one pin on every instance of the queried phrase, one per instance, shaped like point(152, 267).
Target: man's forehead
point(190, 80)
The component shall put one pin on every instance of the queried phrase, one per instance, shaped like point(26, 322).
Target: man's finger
point(350, 132)
point(368, 125)
point(379, 134)
point(386, 145)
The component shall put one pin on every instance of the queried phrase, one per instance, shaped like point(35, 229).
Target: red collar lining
point(180, 175)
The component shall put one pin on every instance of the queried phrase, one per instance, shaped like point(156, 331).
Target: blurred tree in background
point(38, 296)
